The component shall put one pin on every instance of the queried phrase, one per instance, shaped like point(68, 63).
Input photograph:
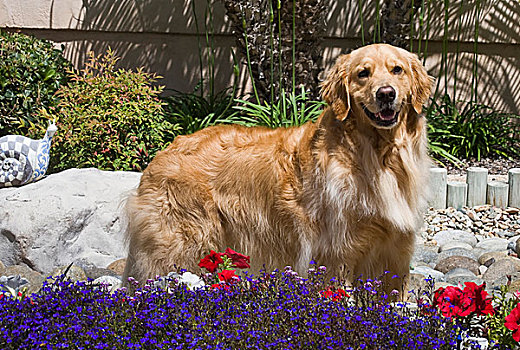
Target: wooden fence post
point(514, 187)
point(457, 194)
point(438, 188)
point(497, 194)
point(476, 179)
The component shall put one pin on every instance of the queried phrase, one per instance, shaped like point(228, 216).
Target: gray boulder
point(427, 272)
point(456, 261)
point(493, 244)
point(444, 237)
point(66, 217)
point(500, 268)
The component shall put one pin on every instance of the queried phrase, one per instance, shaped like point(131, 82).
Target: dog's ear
point(334, 89)
point(422, 84)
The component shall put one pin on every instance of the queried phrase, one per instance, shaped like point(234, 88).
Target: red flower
point(454, 302)
point(226, 275)
point(211, 261)
point(476, 299)
point(448, 301)
point(335, 295)
point(512, 322)
point(240, 261)
point(220, 286)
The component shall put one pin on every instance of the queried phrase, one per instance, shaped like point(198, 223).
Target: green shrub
point(109, 119)
point(31, 70)
point(473, 130)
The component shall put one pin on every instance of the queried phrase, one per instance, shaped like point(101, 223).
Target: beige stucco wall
point(160, 35)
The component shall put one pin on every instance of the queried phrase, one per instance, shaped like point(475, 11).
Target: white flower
point(191, 280)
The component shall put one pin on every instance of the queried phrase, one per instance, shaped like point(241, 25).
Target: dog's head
point(377, 82)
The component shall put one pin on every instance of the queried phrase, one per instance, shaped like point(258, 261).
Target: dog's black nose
point(385, 94)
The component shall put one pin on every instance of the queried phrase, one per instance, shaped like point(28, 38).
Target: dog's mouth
point(385, 117)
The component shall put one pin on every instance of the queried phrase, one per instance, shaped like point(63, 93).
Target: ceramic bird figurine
point(23, 160)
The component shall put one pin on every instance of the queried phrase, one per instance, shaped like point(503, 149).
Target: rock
point(112, 282)
point(517, 246)
point(447, 264)
point(96, 272)
point(456, 251)
point(493, 244)
point(416, 282)
point(74, 273)
point(13, 284)
point(427, 272)
point(35, 278)
point(514, 286)
point(499, 269)
point(482, 269)
point(118, 266)
point(455, 244)
point(65, 217)
point(425, 254)
point(515, 261)
point(443, 237)
point(2, 268)
point(504, 280)
point(489, 262)
point(460, 275)
point(491, 255)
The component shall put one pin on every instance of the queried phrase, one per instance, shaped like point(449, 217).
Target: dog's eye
point(364, 73)
point(397, 70)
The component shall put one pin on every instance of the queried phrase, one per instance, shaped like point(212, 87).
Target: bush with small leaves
point(31, 70)
point(108, 118)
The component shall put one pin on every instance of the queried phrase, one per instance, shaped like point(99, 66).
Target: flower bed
point(222, 310)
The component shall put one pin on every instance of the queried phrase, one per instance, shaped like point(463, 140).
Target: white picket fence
point(475, 191)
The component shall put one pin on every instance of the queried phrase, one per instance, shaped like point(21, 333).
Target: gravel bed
point(495, 166)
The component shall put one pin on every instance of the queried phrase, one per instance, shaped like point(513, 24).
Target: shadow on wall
point(166, 37)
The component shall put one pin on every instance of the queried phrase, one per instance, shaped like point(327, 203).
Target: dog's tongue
point(386, 114)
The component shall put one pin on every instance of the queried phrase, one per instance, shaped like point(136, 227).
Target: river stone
point(96, 272)
point(112, 282)
point(75, 273)
point(427, 272)
point(499, 269)
point(35, 278)
point(456, 251)
point(504, 280)
point(514, 286)
point(456, 261)
point(491, 255)
point(416, 282)
point(493, 244)
point(460, 275)
point(426, 254)
point(118, 266)
point(455, 244)
point(446, 236)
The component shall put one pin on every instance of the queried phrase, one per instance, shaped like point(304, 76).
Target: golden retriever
point(346, 191)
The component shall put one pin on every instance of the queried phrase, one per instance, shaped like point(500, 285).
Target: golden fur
point(343, 191)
